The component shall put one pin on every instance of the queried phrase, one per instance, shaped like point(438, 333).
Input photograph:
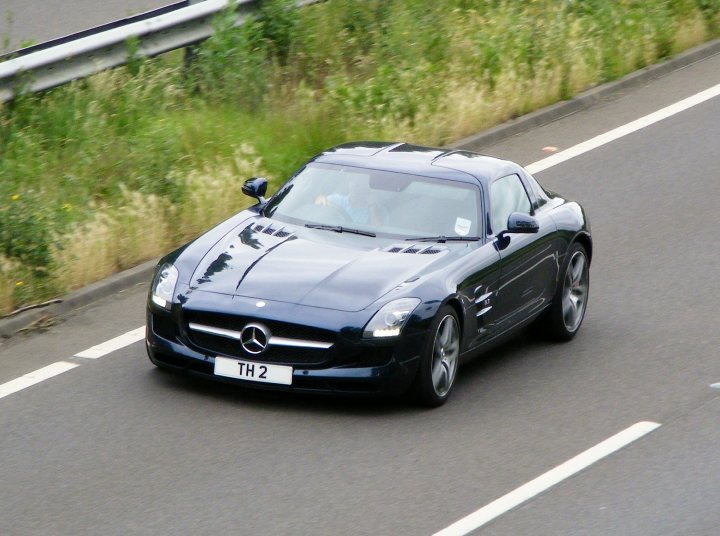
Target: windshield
point(380, 202)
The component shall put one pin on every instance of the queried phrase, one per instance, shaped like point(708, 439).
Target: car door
point(478, 275)
point(475, 275)
point(528, 262)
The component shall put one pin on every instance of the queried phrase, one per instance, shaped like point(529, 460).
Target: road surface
point(24, 22)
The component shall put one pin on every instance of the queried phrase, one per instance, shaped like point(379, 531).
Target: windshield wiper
point(339, 229)
point(442, 238)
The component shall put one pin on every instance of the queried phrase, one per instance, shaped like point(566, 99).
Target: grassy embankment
point(102, 174)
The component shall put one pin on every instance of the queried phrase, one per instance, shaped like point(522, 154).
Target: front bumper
point(393, 376)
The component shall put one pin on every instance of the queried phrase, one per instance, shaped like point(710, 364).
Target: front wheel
point(564, 317)
point(439, 360)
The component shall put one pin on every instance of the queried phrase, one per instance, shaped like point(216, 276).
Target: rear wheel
point(564, 317)
point(439, 360)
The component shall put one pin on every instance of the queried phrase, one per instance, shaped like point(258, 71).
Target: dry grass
point(214, 194)
point(8, 282)
point(85, 254)
point(691, 33)
point(469, 108)
point(114, 239)
point(144, 227)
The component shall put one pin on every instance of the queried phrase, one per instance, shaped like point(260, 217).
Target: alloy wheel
point(446, 349)
point(575, 291)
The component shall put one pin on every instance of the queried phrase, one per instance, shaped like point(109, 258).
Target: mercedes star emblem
point(254, 338)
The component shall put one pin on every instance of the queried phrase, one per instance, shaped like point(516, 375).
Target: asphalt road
point(115, 446)
point(35, 21)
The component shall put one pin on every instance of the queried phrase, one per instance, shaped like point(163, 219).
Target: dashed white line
point(545, 481)
point(45, 373)
point(104, 348)
point(623, 130)
point(37, 376)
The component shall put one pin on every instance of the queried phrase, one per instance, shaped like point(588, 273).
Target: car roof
point(436, 162)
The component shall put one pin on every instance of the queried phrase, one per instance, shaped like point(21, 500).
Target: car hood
point(266, 261)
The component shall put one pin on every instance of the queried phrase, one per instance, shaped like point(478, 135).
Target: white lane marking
point(106, 347)
point(37, 376)
point(623, 130)
point(545, 481)
point(42, 374)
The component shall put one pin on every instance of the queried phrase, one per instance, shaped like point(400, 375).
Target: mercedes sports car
point(376, 268)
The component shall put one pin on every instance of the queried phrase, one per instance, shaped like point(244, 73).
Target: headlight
point(389, 320)
point(163, 287)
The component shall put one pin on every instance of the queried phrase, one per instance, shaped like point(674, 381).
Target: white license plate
point(256, 372)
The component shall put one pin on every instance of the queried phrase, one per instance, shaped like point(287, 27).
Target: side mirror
point(256, 187)
point(522, 223)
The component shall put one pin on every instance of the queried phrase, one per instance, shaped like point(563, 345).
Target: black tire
point(563, 318)
point(440, 353)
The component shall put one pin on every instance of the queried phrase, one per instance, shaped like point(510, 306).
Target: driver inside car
point(356, 203)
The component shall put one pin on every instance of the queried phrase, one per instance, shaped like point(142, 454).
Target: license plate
point(256, 372)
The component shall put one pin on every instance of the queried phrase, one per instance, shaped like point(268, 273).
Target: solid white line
point(623, 130)
point(527, 491)
point(37, 376)
point(106, 347)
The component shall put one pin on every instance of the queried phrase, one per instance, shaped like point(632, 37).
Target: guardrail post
point(191, 51)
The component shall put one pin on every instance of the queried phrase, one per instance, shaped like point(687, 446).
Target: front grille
point(280, 355)
point(279, 329)
point(210, 343)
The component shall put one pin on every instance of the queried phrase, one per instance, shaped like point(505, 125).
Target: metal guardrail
point(97, 29)
point(60, 61)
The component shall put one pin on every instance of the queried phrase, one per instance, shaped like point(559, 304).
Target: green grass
point(109, 171)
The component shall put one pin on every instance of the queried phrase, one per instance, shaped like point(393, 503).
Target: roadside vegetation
point(104, 173)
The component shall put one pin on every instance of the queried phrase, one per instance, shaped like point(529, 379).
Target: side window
point(540, 194)
point(507, 195)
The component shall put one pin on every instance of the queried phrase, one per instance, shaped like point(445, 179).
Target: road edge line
point(548, 479)
point(625, 130)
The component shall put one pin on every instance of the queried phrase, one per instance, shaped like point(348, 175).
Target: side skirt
point(499, 338)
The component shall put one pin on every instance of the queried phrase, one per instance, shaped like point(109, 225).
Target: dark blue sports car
point(377, 268)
